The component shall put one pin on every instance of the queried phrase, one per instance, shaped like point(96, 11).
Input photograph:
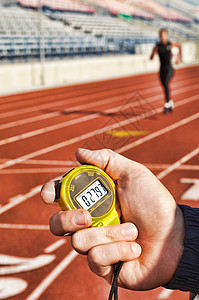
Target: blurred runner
point(163, 49)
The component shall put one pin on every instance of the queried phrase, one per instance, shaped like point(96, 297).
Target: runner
point(163, 49)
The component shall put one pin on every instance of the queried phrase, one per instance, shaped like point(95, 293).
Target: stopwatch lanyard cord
point(114, 288)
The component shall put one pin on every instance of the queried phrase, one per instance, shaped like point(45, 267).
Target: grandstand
point(68, 28)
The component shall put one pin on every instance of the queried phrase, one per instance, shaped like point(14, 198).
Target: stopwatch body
point(90, 188)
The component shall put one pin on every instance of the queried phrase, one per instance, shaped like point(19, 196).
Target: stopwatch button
point(100, 224)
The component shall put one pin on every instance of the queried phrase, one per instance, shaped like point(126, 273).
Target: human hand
point(144, 202)
point(178, 59)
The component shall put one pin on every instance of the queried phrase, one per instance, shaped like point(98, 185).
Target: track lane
point(64, 285)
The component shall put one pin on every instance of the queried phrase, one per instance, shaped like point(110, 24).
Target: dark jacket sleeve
point(186, 277)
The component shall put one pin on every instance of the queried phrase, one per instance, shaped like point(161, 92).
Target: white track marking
point(64, 169)
point(13, 264)
point(11, 286)
point(89, 97)
point(71, 94)
point(179, 162)
point(104, 129)
point(23, 226)
point(55, 246)
point(165, 294)
point(46, 282)
point(12, 202)
point(67, 101)
point(193, 192)
point(165, 166)
point(158, 133)
point(28, 120)
point(78, 120)
point(57, 113)
point(30, 101)
point(34, 171)
point(19, 199)
point(73, 121)
point(46, 162)
point(83, 106)
point(70, 109)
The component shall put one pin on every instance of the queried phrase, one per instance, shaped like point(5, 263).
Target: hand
point(178, 60)
point(155, 51)
point(144, 202)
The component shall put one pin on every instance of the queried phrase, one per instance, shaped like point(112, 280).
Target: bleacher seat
point(100, 25)
point(66, 5)
point(60, 33)
point(116, 7)
point(158, 9)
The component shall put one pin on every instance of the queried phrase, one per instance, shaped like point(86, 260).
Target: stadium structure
point(68, 28)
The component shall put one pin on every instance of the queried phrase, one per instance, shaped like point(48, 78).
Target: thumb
point(114, 164)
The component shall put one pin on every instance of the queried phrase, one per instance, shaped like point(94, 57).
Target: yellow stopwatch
point(90, 188)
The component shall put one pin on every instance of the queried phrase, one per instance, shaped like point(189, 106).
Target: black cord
point(114, 287)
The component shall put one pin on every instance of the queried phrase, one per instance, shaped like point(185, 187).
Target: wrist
point(175, 245)
point(186, 276)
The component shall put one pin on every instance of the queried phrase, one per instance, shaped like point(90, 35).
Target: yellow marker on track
point(126, 133)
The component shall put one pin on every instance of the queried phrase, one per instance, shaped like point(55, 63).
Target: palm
point(151, 269)
point(145, 202)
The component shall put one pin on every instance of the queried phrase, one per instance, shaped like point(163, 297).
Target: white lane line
point(46, 282)
point(67, 101)
point(55, 246)
point(102, 130)
point(165, 294)
point(192, 193)
point(57, 113)
point(158, 133)
point(178, 163)
point(68, 123)
point(28, 120)
point(46, 162)
point(165, 166)
point(64, 169)
point(83, 106)
point(14, 201)
point(77, 120)
point(71, 94)
point(23, 226)
point(35, 171)
point(19, 199)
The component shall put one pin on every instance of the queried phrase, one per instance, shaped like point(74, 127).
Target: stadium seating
point(27, 33)
point(116, 7)
point(160, 10)
point(101, 25)
point(66, 5)
point(187, 9)
point(23, 33)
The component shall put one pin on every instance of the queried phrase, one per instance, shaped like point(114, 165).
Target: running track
point(39, 133)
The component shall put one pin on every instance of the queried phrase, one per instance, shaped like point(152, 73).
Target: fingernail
point(136, 249)
point(80, 219)
point(129, 231)
point(48, 192)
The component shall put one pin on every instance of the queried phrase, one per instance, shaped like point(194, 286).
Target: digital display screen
point(94, 193)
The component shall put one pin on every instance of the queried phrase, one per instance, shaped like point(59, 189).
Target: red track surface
point(39, 133)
